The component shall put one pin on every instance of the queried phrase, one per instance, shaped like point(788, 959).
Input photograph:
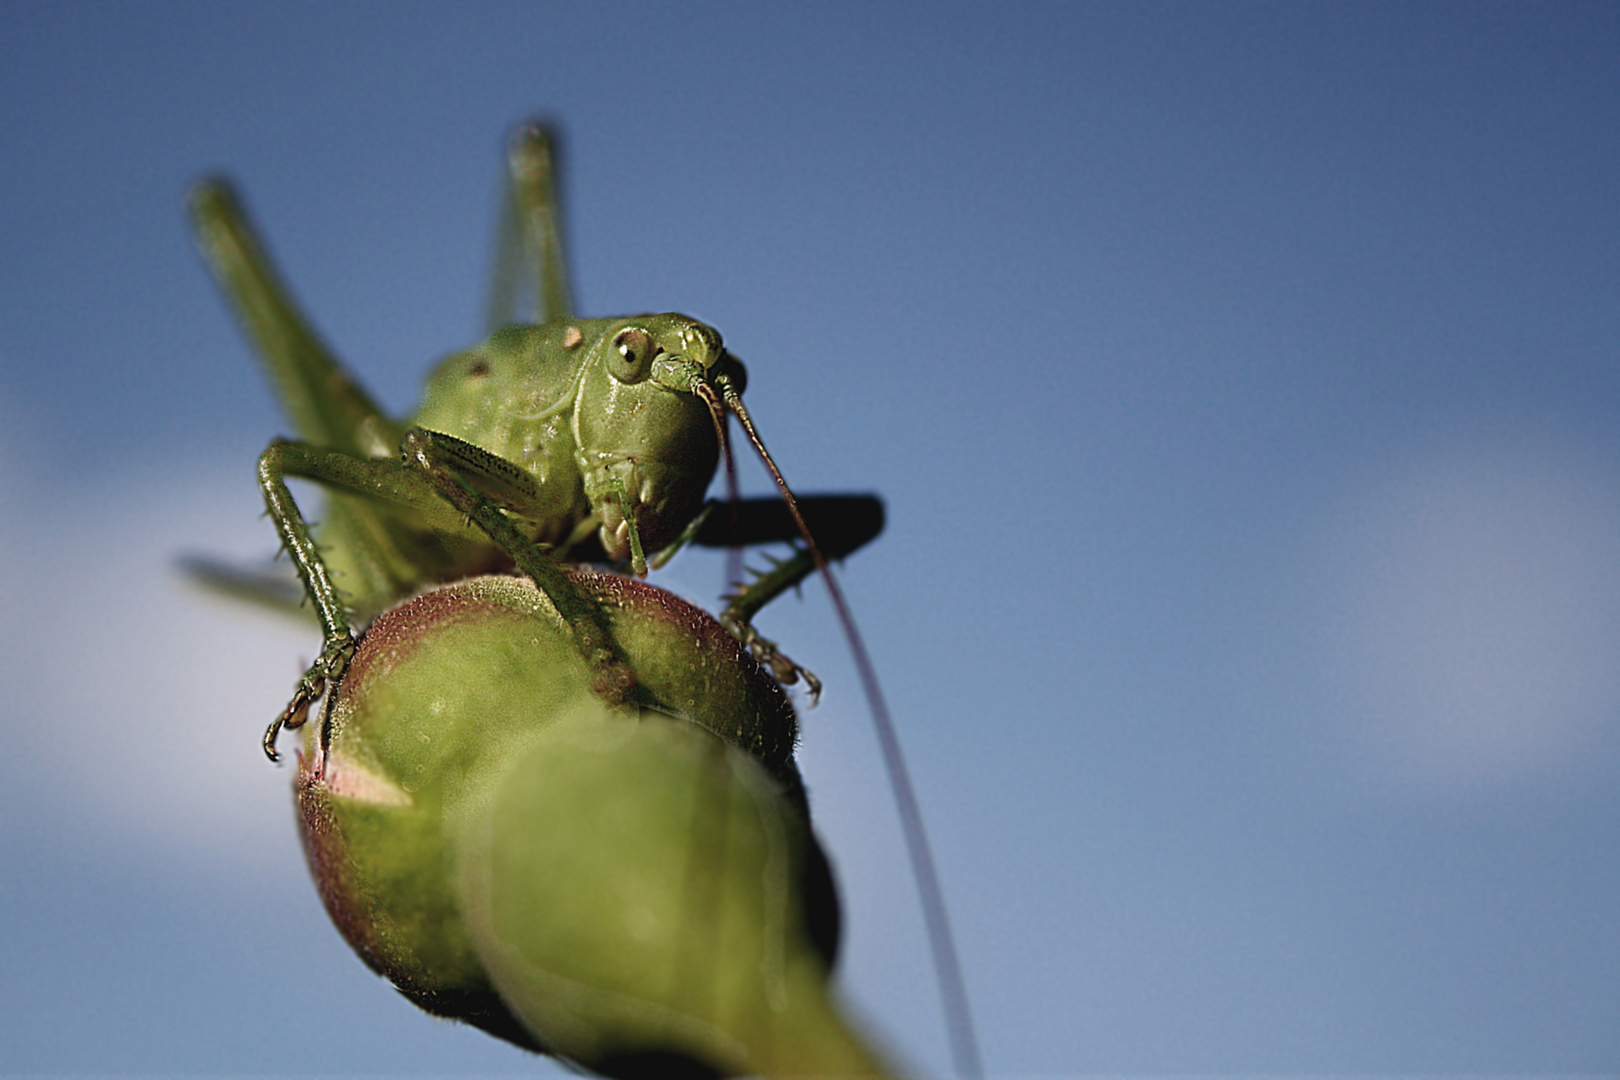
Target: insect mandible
point(573, 439)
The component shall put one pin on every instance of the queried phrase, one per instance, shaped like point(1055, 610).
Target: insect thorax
point(514, 395)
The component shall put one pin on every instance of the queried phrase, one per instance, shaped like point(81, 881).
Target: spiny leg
point(325, 403)
point(748, 597)
point(337, 641)
point(381, 479)
point(478, 483)
point(840, 523)
point(444, 482)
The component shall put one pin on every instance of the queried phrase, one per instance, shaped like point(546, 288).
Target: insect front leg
point(483, 486)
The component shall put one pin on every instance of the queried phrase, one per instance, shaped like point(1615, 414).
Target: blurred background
point(1243, 381)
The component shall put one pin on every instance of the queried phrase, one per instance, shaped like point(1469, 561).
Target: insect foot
point(634, 889)
point(766, 653)
point(327, 668)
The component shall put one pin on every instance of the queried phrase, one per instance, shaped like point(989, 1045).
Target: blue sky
point(1241, 379)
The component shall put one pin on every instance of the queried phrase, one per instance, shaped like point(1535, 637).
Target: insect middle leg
point(284, 459)
point(428, 495)
point(442, 483)
point(839, 524)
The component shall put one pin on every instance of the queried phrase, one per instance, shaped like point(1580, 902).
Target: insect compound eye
point(631, 356)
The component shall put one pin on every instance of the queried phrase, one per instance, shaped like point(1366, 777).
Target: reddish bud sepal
point(624, 887)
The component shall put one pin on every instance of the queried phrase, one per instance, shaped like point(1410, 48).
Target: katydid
point(571, 438)
point(562, 441)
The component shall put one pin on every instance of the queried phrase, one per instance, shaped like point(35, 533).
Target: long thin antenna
point(734, 556)
point(942, 945)
point(722, 421)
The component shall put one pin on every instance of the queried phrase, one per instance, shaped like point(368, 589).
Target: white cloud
point(135, 702)
point(1475, 603)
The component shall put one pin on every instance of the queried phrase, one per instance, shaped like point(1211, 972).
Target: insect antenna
point(734, 563)
point(722, 420)
point(941, 944)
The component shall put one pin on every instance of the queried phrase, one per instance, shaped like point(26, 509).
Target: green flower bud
point(624, 887)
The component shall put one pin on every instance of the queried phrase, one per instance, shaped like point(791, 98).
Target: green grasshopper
point(562, 441)
point(569, 439)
